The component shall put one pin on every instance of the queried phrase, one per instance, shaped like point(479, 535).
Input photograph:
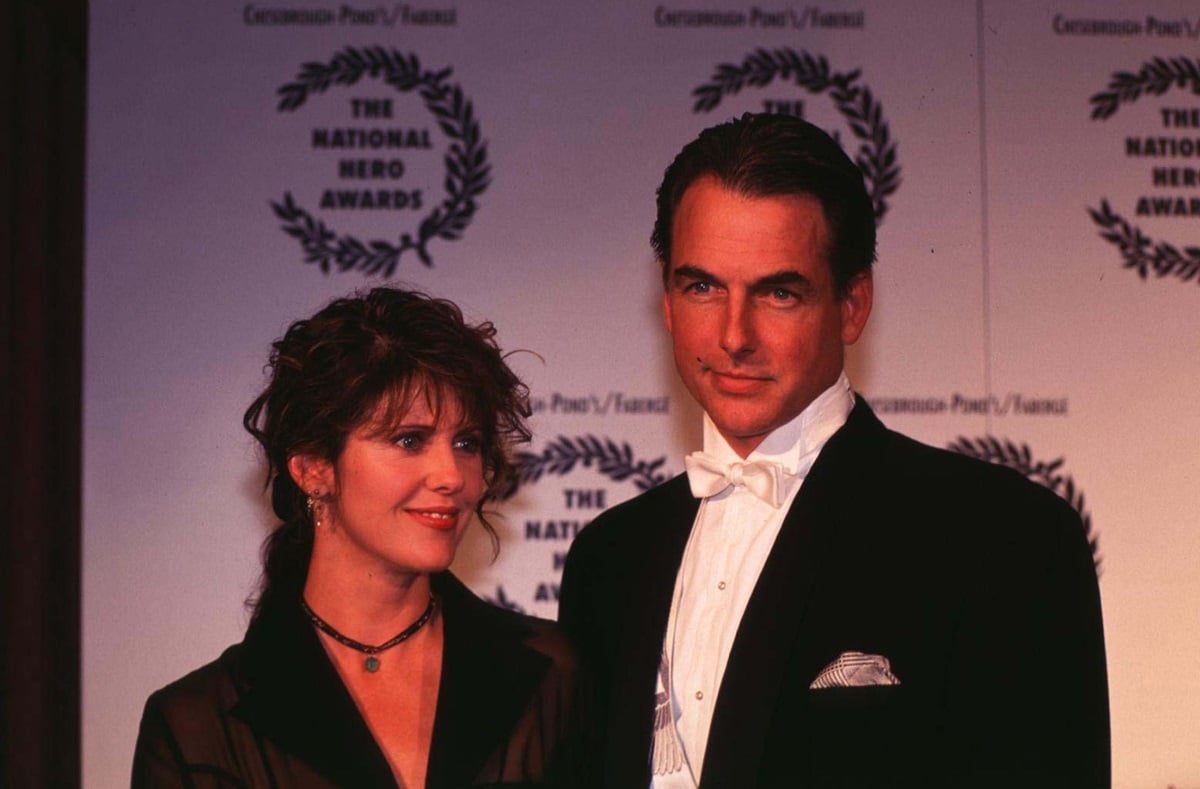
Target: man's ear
point(856, 306)
point(667, 310)
point(312, 474)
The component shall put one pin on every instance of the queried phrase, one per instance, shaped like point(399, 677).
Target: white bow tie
point(708, 476)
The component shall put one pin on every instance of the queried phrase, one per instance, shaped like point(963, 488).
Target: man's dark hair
point(763, 155)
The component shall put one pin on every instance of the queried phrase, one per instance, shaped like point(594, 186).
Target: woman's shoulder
point(549, 639)
point(541, 635)
point(211, 689)
point(182, 723)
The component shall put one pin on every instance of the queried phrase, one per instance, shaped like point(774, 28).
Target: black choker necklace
point(371, 664)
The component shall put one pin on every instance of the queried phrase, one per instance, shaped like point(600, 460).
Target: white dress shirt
point(729, 543)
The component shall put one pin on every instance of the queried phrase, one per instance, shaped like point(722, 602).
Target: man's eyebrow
point(791, 279)
point(693, 272)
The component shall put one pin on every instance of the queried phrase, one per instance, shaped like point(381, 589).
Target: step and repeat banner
point(1036, 167)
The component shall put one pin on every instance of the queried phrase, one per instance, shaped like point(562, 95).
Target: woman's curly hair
point(361, 360)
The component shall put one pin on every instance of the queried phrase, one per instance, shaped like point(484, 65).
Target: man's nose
point(737, 331)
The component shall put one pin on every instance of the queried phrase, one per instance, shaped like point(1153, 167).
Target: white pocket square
point(855, 670)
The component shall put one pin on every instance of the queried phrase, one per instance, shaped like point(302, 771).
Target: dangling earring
point(312, 504)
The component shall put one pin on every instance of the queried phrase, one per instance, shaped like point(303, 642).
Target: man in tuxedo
point(821, 601)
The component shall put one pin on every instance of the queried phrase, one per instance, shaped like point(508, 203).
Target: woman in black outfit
point(386, 425)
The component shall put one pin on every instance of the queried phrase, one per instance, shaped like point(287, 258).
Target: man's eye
point(699, 288)
point(780, 296)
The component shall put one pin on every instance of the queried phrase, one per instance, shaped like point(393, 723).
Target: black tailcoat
point(975, 583)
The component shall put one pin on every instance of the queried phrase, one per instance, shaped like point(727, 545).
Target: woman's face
point(400, 502)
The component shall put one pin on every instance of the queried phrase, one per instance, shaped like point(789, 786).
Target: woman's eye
point(410, 441)
point(472, 444)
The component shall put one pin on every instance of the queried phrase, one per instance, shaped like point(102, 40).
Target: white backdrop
point(1002, 312)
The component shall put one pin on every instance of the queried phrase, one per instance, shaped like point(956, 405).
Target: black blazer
point(272, 711)
point(975, 583)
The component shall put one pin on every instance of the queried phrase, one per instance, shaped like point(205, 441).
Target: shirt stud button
point(721, 585)
point(699, 695)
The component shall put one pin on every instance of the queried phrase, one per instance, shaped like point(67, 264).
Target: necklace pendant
point(371, 664)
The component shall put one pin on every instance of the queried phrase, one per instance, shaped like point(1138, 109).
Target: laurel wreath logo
point(1156, 77)
point(467, 171)
point(1140, 252)
point(561, 456)
point(876, 155)
point(1047, 474)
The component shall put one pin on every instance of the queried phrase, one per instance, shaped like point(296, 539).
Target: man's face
point(756, 325)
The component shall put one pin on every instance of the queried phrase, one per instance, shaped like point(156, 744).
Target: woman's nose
point(445, 473)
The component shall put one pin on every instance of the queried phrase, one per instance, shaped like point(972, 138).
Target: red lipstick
point(441, 518)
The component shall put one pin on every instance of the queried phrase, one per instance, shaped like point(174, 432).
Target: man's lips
point(738, 383)
point(443, 518)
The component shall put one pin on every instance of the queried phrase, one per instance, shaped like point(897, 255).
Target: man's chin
point(741, 432)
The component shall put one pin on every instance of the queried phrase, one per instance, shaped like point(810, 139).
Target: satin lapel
point(294, 698)
point(488, 677)
point(771, 628)
point(666, 523)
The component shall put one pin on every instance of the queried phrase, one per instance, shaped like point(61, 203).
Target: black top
point(273, 712)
